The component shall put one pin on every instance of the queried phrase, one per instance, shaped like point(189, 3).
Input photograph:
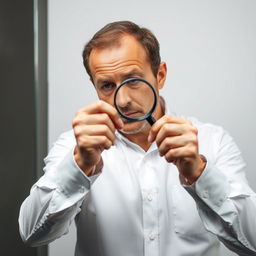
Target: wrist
point(202, 161)
point(86, 169)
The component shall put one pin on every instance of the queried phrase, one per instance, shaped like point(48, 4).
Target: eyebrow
point(130, 74)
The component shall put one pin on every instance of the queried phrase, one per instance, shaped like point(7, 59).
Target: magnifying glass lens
point(135, 99)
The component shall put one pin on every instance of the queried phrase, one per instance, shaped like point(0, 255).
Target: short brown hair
point(110, 34)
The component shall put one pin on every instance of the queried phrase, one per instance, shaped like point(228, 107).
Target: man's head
point(110, 35)
point(119, 51)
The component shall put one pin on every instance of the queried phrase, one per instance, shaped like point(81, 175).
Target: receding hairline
point(117, 44)
point(110, 34)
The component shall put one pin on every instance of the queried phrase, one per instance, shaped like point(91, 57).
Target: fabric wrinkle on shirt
point(137, 205)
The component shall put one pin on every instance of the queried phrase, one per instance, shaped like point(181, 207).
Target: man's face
point(111, 66)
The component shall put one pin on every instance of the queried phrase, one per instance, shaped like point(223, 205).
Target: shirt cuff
point(71, 183)
point(212, 187)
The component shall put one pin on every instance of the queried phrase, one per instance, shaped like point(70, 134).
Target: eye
point(134, 84)
point(107, 88)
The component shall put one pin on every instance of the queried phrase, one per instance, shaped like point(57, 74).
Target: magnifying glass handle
point(151, 120)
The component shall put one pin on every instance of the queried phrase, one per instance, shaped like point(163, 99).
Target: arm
point(226, 203)
point(55, 199)
point(70, 170)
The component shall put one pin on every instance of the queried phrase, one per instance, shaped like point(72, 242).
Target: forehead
point(128, 54)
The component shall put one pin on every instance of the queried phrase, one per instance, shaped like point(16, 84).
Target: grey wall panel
point(18, 112)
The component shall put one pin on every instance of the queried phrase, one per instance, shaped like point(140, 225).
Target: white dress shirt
point(137, 205)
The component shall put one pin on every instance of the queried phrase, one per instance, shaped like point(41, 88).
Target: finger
point(95, 130)
point(101, 142)
point(103, 107)
point(169, 130)
point(172, 155)
point(181, 153)
point(94, 119)
point(163, 120)
point(171, 143)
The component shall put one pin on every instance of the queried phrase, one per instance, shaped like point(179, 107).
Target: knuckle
point(104, 117)
point(165, 128)
point(161, 151)
point(165, 143)
point(191, 151)
point(77, 132)
point(168, 158)
point(108, 144)
point(104, 140)
point(75, 121)
point(100, 103)
point(78, 119)
point(169, 141)
point(172, 153)
point(194, 130)
point(82, 142)
point(193, 140)
point(158, 143)
point(97, 104)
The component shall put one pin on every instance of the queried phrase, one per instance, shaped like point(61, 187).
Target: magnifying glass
point(135, 100)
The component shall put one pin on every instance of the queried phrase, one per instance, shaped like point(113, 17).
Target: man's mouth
point(131, 113)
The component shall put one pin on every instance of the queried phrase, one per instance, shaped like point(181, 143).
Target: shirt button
point(150, 197)
point(81, 189)
point(205, 194)
point(152, 237)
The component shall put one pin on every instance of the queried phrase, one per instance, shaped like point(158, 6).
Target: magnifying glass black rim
point(140, 118)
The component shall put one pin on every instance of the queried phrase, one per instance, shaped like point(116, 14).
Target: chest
point(142, 192)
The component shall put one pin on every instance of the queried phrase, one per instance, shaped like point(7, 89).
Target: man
point(176, 188)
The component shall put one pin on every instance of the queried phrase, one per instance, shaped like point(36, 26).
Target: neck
point(140, 138)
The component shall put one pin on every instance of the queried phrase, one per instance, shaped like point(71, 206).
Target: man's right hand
point(94, 128)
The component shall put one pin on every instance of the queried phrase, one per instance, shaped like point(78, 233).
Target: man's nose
point(123, 98)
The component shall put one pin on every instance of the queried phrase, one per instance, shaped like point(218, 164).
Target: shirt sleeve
point(55, 199)
point(225, 202)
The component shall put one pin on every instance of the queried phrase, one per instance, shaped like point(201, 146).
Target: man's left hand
point(177, 141)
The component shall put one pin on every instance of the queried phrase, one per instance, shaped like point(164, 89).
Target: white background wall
point(209, 47)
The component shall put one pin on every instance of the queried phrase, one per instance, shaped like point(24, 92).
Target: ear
point(161, 75)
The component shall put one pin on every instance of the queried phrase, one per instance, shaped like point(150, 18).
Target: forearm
point(37, 225)
point(53, 202)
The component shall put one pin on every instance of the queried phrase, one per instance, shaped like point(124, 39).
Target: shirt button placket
point(148, 184)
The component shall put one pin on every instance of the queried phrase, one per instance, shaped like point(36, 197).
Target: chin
point(134, 127)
